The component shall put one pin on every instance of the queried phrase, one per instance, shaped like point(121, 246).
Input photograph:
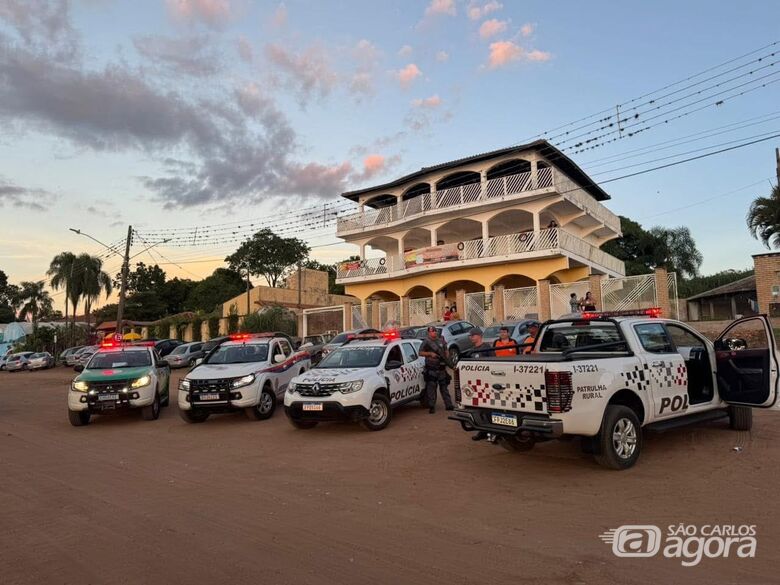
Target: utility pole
point(777, 158)
point(300, 286)
point(123, 286)
point(247, 292)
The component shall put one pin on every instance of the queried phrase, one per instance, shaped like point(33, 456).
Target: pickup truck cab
point(607, 376)
point(248, 372)
point(363, 380)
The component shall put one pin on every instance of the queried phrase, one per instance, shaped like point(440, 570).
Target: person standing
point(533, 331)
point(588, 303)
point(434, 350)
point(454, 315)
point(479, 347)
point(574, 304)
point(505, 341)
point(447, 316)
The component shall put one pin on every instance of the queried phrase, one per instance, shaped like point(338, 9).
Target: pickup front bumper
point(479, 419)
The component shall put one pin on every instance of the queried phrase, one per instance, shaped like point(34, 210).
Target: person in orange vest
point(503, 341)
point(533, 331)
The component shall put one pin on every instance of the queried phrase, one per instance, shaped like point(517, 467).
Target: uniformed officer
point(434, 350)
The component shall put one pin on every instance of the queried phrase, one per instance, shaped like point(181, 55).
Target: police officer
point(434, 350)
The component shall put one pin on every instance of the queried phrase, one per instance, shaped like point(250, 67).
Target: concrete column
point(172, 333)
point(223, 326)
point(302, 329)
point(400, 247)
point(594, 285)
point(145, 332)
point(348, 324)
point(662, 292)
point(433, 236)
point(499, 310)
point(364, 311)
point(188, 333)
point(460, 301)
point(537, 221)
point(485, 231)
point(375, 315)
point(543, 293)
point(534, 175)
point(204, 330)
point(404, 311)
point(438, 305)
point(362, 251)
point(483, 183)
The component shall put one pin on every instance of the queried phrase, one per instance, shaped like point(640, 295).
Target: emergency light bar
point(651, 312)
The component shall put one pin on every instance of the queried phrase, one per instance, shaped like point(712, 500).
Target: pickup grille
point(216, 385)
point(316, 389)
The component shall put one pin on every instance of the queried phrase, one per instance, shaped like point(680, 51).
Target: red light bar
point(109, 343)
point(143, 343)
point(240, 336)
point(365, 336)
point(651, 312)
point(391, 334)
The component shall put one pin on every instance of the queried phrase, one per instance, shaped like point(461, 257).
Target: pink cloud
point(502, 53)
point(433, 101)
point(537, 55)
point(245, 50)
point(213, 13)
point(373, 164)
point(442, 56)
point(476, 12)
point(308, 73)
point(310, 178)
point(441, 7)
point(408, 74)
point(491, 28)
point(527, 29)
point(405, 51)
point(280, 16)
point(366, 52)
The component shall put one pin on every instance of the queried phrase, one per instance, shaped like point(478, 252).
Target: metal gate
point(479, 308)
point(521, 303)
point(674, 300)
point(323, 320)
point(358, 322)
point(631, 292)
point(420, 311)
point(560, 295)
point(389, 311)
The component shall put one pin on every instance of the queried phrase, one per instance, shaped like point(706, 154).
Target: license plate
point(507, 420)
point(316, 406)
point(209, 397)
point(103, 397)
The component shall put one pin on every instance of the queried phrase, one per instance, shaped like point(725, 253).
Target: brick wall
point(767, 267)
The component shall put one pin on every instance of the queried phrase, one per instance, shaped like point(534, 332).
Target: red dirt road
point(232, 501)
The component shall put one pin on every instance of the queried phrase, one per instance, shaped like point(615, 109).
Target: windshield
point(315, 339)
point(119, 359)
point(37, 355)
point(353, 357)
point(562, 336)
point(340, 338)
point(492, 331)
point(179, 350)
point(239, 354)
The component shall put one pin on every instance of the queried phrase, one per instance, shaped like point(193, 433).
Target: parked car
point(85, 355)
point(454, 333)
point(518, 330)
point(41, 361)
point(73, 358)
point(343, 337)
point(212, 343)
point(314, 344)
point(411, 332)
point(185, 355)
point(166, 346)
point(63, 358)
point(17, 362)
point(4, 359)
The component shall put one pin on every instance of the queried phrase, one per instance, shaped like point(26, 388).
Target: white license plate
point(316, 406)
point(209, 397)
point(108, 397)
point(507, 420)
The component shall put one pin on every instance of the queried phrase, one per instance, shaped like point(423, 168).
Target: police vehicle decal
point(515, 396)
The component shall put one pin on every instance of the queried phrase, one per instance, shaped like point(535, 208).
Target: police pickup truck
point(363, 380)
point(607, 376)
point(248, 372)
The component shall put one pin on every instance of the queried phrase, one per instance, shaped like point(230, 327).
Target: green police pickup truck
point(120, 377)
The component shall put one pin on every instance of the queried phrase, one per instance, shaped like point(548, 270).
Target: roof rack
point(651, 312)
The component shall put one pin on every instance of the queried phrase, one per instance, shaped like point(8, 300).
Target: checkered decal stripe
point(511, 396)
point(666, 376)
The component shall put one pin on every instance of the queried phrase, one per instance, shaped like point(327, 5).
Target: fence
point(674, 300)
point(521, 303)
point(479, 308)
point(389, 311)
point(420, 311)
point(560, 296)
point(323, 320)
point(358, 322)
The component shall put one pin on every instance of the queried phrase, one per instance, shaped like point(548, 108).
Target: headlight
point(80, 386)
point(291, 387)
point(184, 384)
point(348, 387)
point(141, 382)
point(245, 381)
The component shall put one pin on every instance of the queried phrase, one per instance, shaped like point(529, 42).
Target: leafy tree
point(763, 218)
point(34, 301)
point(268, 255)
point(9, 299)
point(271, 319)
point(62, 273)
point(699, 284)
point(676, 250)
point(174, 294)
point(221, 286)
point(143, 279)
point(92, 281)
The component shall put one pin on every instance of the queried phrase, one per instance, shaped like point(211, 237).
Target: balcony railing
point(447, 198)
point(554, 240)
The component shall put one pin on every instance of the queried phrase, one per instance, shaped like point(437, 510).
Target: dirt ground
point(233, 501)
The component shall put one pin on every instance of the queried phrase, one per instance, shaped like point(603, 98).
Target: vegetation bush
point(233, 319)
point(213, 326)
point(271, 319)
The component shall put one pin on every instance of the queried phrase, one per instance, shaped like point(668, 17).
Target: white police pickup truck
point(249, 372)
point(605, 377)
point(363, 380)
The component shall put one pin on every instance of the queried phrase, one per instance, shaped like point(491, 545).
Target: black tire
point(379, 414)
point(620, 438)
point(740, 418)
point(516, 444)
point(79, 419)
point(192, 416)
point(454, 354)
point(191, 362)
point(265, 408)
point(152, 412)
point(303, 424)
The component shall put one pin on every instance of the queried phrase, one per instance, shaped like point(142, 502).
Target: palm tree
point(61, 270)
point(35, 300)
point(93, 281)
point(763, 218)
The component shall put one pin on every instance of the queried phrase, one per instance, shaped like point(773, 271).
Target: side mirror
point(78, 368)
point(198, 361)
point(278, 358)
point(393, 365)
point(735, 343)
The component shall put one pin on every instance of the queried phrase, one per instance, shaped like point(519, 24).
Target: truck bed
point(549, 357)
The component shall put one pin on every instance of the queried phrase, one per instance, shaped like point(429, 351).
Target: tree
point(143, 279)
point(9, 299)
point(763, 218)
point(62, 273)
point(93, 281)
point(174, 294)
point(221, 286)
point(34, 301)
point(676, 251)
point(268, 255)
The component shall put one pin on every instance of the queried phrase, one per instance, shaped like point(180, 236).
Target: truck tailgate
point(504, 385)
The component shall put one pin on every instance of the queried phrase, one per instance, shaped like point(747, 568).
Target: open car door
point(747, 364)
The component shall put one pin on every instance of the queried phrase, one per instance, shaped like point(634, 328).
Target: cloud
point(405, 51)
point(407, 75)
point(280, 16)
point(491, 28)
point(503, 53)
point(194, 56)
point(245, 51)
point(537, 55)
point(477, 12)
point(442, 56)
point(374, 165)
point(43, 25)
point(23, 197)
point(433, 101)
point(308, 73)
point(211, 13)
point(527, 29)
point(366, 53)
point(441, 7)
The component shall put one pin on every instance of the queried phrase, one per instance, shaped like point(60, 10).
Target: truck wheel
point(454, 354)
point(264, 409)
point(303, 424)
point(152, 412)
point(740, 418)
point(78, 418)
point(620, 438)
point(379, 413)
point(517, 443)
point(192, 416)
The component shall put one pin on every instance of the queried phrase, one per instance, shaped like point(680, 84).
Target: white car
point(250, 372)
point(363, 380)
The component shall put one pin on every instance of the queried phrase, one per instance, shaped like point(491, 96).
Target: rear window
point(340, 338)
point(562, 336)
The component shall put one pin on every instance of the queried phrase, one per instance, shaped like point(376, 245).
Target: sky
point(178, 113)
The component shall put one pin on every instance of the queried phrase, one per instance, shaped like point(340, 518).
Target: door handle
point(657, 364)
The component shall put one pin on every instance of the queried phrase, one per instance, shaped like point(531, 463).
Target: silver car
point(518, 330)
point(18, 361)
point(185, 355)
point(85, 355)
point(73, 358)
point(40, 361)
point(454, 333)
